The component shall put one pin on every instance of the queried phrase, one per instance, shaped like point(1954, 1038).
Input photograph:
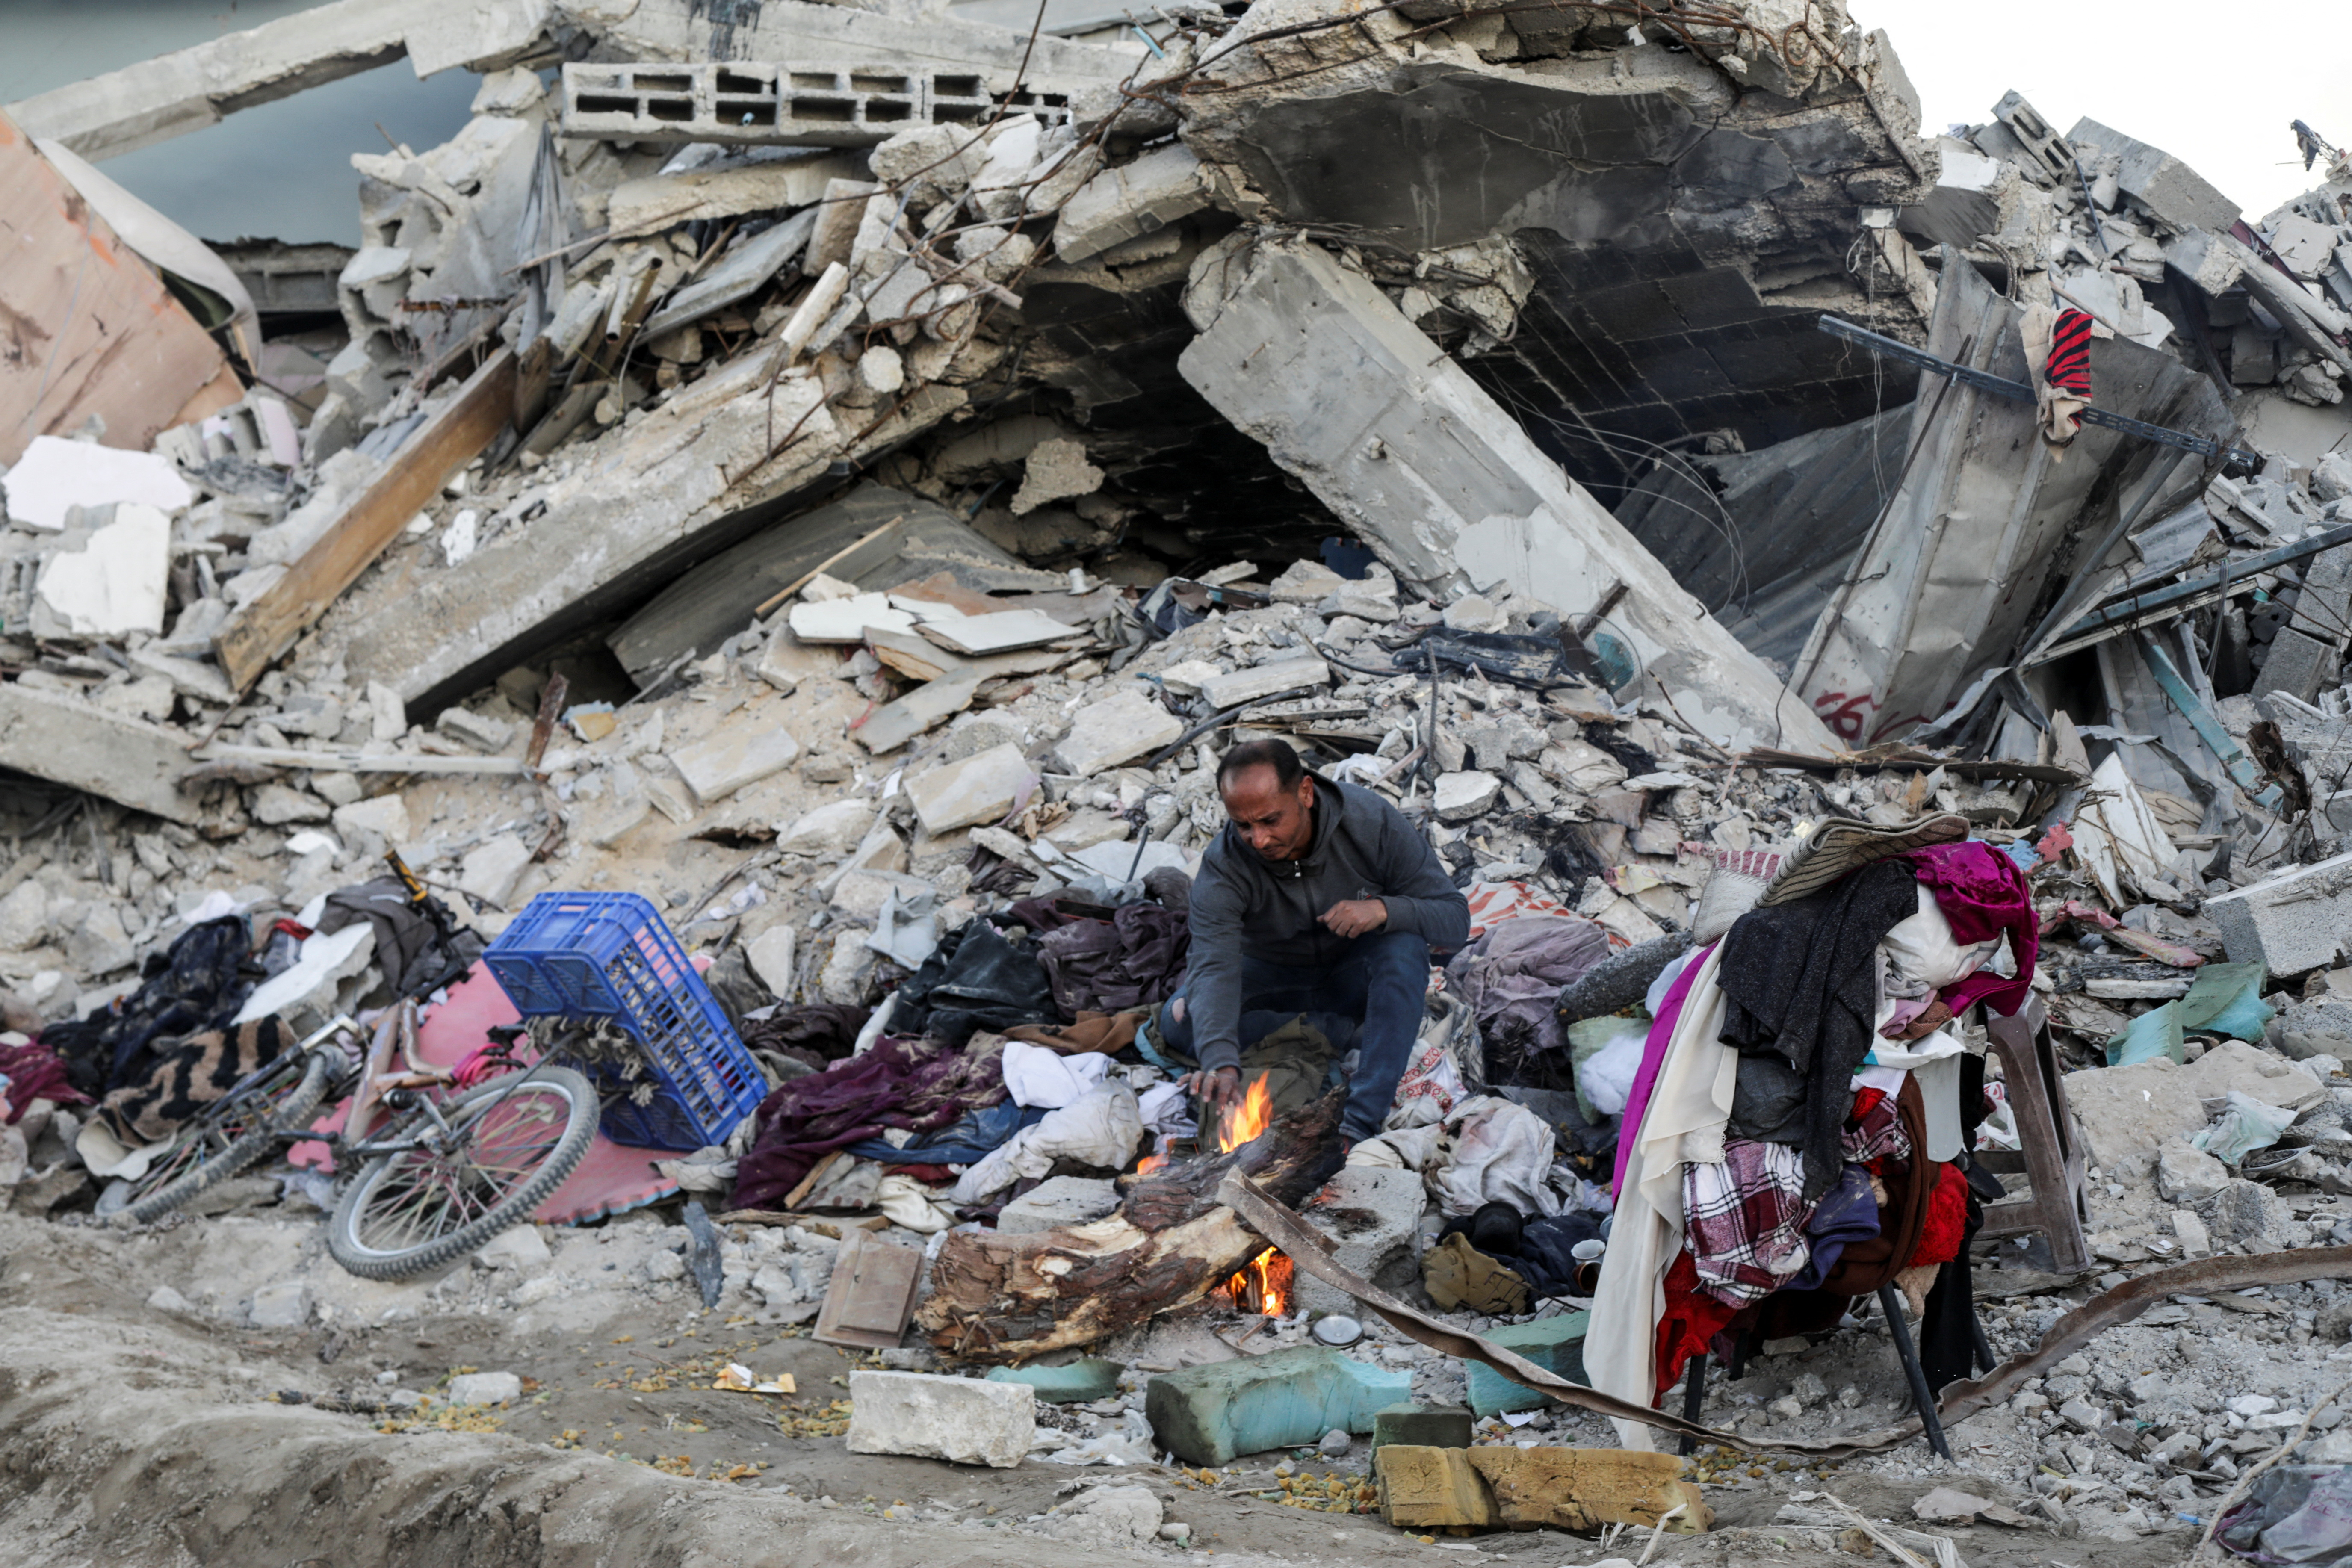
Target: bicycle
point(441, 1167)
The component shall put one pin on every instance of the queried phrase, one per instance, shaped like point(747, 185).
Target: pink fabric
point(611, 1180)
point(1653, 1057)
point(1982, 895)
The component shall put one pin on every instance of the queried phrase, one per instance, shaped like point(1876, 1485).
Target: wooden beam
point(265, 628)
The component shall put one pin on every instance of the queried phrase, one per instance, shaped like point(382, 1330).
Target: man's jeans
point(1383, 982)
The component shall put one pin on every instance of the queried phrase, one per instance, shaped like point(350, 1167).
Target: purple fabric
point(34, 1073)
point(1847, 1213)
point(1653, 1057)
point(1982, 895)
point(914, 1084)
point(1512, 977)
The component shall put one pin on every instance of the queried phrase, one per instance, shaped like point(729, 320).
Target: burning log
point(1009, 1298)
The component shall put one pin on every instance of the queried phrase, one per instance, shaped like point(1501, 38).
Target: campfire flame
point(1251, 1118)
point(1150, 1163)
point(1263, 1285)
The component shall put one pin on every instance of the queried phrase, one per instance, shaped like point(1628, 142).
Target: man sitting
point(1318, 897)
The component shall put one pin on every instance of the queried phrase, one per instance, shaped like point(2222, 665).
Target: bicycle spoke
point(425, 1194)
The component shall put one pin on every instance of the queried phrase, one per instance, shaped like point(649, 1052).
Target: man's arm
point(1213, 987)
point(1421, 898)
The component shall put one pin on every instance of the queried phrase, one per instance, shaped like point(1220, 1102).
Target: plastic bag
point(2296, 1513)
point(2247, 1125)
point(1128, 1443)
point(1606, 1078)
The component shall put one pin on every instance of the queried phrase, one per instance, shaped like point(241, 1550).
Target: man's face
point(1276, 821)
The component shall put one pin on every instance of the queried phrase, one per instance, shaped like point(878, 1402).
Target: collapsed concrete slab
point(1680, 234)
point(88, 748)
point(1392, 435)
point(1955, 570)
point(699, 474)
point(187, 89)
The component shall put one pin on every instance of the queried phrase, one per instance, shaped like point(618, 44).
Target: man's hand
point(1219, 1093)
point(1354, 917)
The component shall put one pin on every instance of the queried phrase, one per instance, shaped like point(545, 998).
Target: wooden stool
point(2052, 1157)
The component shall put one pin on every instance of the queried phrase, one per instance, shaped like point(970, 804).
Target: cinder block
point(2294, 923)
point(1370, 1214)
point(1432, 1489)
point(963, 1419)
point(1422, 1426)
point(1207, 1415)
point(1584, 1488)
point(1555, 1344)
point(751, 103)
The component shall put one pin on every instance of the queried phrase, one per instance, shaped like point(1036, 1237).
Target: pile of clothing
point(1798, 1132)
point(998, 1062)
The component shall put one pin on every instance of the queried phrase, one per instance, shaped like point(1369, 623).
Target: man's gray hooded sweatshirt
point(1243, 903)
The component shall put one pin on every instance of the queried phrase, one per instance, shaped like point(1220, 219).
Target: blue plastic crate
point(610, 955)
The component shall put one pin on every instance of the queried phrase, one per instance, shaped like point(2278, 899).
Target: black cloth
point(1134, 959)
point(820, 1033)
point(1539, 1251)
point(198, 984)
point(1767, 1102)
point(976, 979)
point(1245, 906)
point(1800, 982)
point(1947, 1330)
point(408, 946)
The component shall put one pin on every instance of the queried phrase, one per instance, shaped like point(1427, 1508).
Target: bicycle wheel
point(229, 1136)
point(418, 1209)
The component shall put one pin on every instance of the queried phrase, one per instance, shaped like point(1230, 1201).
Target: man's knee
point(1400, 950)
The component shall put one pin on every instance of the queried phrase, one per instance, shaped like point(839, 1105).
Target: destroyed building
point(844, 475)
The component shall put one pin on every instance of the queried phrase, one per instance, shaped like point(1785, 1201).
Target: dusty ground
point(133, 1434)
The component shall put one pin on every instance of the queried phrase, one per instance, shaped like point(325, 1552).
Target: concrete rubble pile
point(846, 476)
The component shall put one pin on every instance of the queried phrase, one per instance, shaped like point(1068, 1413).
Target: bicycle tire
point(357, 1255)
point(241, 1154)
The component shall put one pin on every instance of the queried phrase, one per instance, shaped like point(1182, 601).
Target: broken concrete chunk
point(1261, 681)
point(737, 755)
point(833, 829)
point(964, 1420)
point(282, 1304)
point(2186, 1175)
point(771, 954)
point(846, 620)
point(1060, 1201)
point(2160, 181)
point(489, 872)
point(1304, 582)
point(478, 731)
point(980, 789)
point(1057, 469)
point(369, 826)
point(1134, 199)
point(54, 475)
point(115, 584)
point(275, 805)
point(1585, 1489)
point(486, 1387)
point(1118, 729)
point(1369, 1214)
point(2293, 922)
point(1461, 796)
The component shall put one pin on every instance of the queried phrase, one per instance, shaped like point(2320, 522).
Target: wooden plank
point(443, 444)
point(871, 1294)
point(90, 331)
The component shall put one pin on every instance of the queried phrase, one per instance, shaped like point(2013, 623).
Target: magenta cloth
point(1982, 894)
point(34, 1073)
point(1653, 1057)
